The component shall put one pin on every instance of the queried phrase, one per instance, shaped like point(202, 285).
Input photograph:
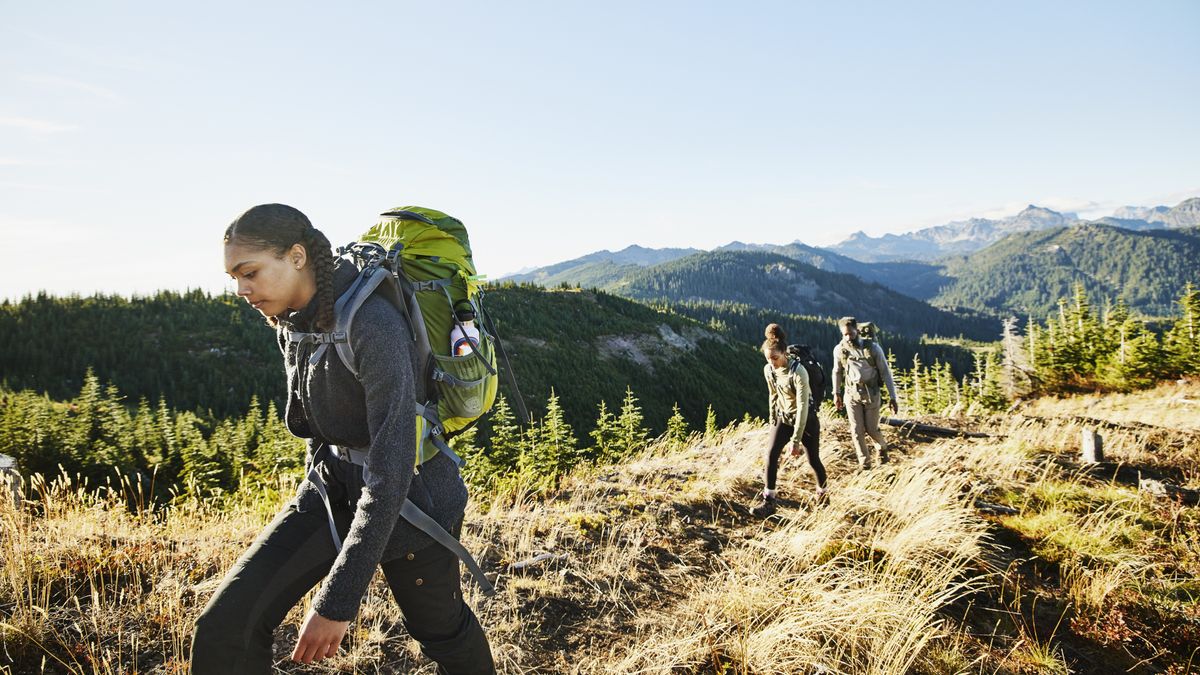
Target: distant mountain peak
point(1041, 212)
point(1034, 208)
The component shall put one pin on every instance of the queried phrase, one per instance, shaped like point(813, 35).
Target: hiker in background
point(860, 365)
point(793, 417)
point(285, 269)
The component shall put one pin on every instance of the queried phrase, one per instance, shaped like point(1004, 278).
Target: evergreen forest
point(593, 398)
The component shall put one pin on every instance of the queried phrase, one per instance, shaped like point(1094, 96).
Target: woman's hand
point(795, 449)
point(319, 638)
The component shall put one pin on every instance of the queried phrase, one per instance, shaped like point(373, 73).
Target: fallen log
point(910, 425)
point(995, 509)
point(1164, 490)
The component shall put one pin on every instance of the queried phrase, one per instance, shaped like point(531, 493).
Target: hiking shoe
point(765, 506)
point(822, 495)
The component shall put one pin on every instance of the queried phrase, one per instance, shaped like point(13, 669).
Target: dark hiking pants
point(781, 436)
point(236, 631)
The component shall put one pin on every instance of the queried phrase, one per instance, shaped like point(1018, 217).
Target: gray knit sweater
point(374, 411)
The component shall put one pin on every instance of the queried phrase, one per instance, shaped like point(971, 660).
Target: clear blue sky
point(131, 133)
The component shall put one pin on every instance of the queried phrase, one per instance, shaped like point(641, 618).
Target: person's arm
point(803, 393)
point(770, 394)
point(885, 373)
point(838, 374)
point(382, 359)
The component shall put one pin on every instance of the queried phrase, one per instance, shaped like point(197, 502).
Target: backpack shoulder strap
point(844, 351)
point(346, 308)
point(869, 346)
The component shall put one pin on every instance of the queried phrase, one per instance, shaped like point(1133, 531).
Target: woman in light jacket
point(793, 417)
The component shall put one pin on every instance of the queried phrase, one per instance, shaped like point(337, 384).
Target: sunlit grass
point(654, 565)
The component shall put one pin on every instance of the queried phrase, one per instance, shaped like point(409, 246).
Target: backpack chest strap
point(322, 340)
point(317, 338)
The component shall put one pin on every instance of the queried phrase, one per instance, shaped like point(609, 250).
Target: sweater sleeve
point(803, 394)
point(839, 369)
point(885, 371)
point(384, 369)
point(771, 415)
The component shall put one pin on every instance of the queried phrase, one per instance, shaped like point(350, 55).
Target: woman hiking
point(285, 269)
point(793, 417)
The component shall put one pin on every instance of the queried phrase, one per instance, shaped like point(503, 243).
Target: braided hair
point(278, 227)
point(776, 342)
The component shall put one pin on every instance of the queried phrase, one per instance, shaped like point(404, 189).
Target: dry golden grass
point(93, 587)
point(1173, 405)
point(656, 566)
point(852, 586)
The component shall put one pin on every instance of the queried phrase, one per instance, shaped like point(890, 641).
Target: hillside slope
point(989, 554)
point(599, 268)
point(1027, 273)
point(774, 282)
point(201, 352)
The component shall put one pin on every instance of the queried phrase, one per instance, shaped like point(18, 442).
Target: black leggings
point(781, 436)
point(235, 633)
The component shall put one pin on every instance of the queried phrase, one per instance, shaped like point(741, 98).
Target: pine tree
point(505, 439)
point(632, 432)
point(532, 465)
point(710, 423)
point(605, 437)
point(477, 469)
point(558, 438)
point(916, 395)
point(991, 387)
point(677, 428)
point(1183, 340)
point(1136, 362)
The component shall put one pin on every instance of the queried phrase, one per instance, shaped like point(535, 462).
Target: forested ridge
point(188, 387)
point(199, 352)
point(212, 354)
point(778, 283)
point(601, 375)
point(1025, 273)
point(1028, 272)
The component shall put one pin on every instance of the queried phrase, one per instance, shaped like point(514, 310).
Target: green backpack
point(421, 260)
point(429, 255)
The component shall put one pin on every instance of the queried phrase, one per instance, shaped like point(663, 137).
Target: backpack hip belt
point(409, 511)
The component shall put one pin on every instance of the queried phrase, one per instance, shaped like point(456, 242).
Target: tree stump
point(1093, 447)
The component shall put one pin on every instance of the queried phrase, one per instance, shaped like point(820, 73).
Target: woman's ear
point(298, 256)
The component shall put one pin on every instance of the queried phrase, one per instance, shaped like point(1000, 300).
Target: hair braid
point(321, 254)
point(278, 227)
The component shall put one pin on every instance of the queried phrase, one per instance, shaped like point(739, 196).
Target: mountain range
point(1022, 265)
point(971, 235)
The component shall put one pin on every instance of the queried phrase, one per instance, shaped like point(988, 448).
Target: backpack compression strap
point(409, 511)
